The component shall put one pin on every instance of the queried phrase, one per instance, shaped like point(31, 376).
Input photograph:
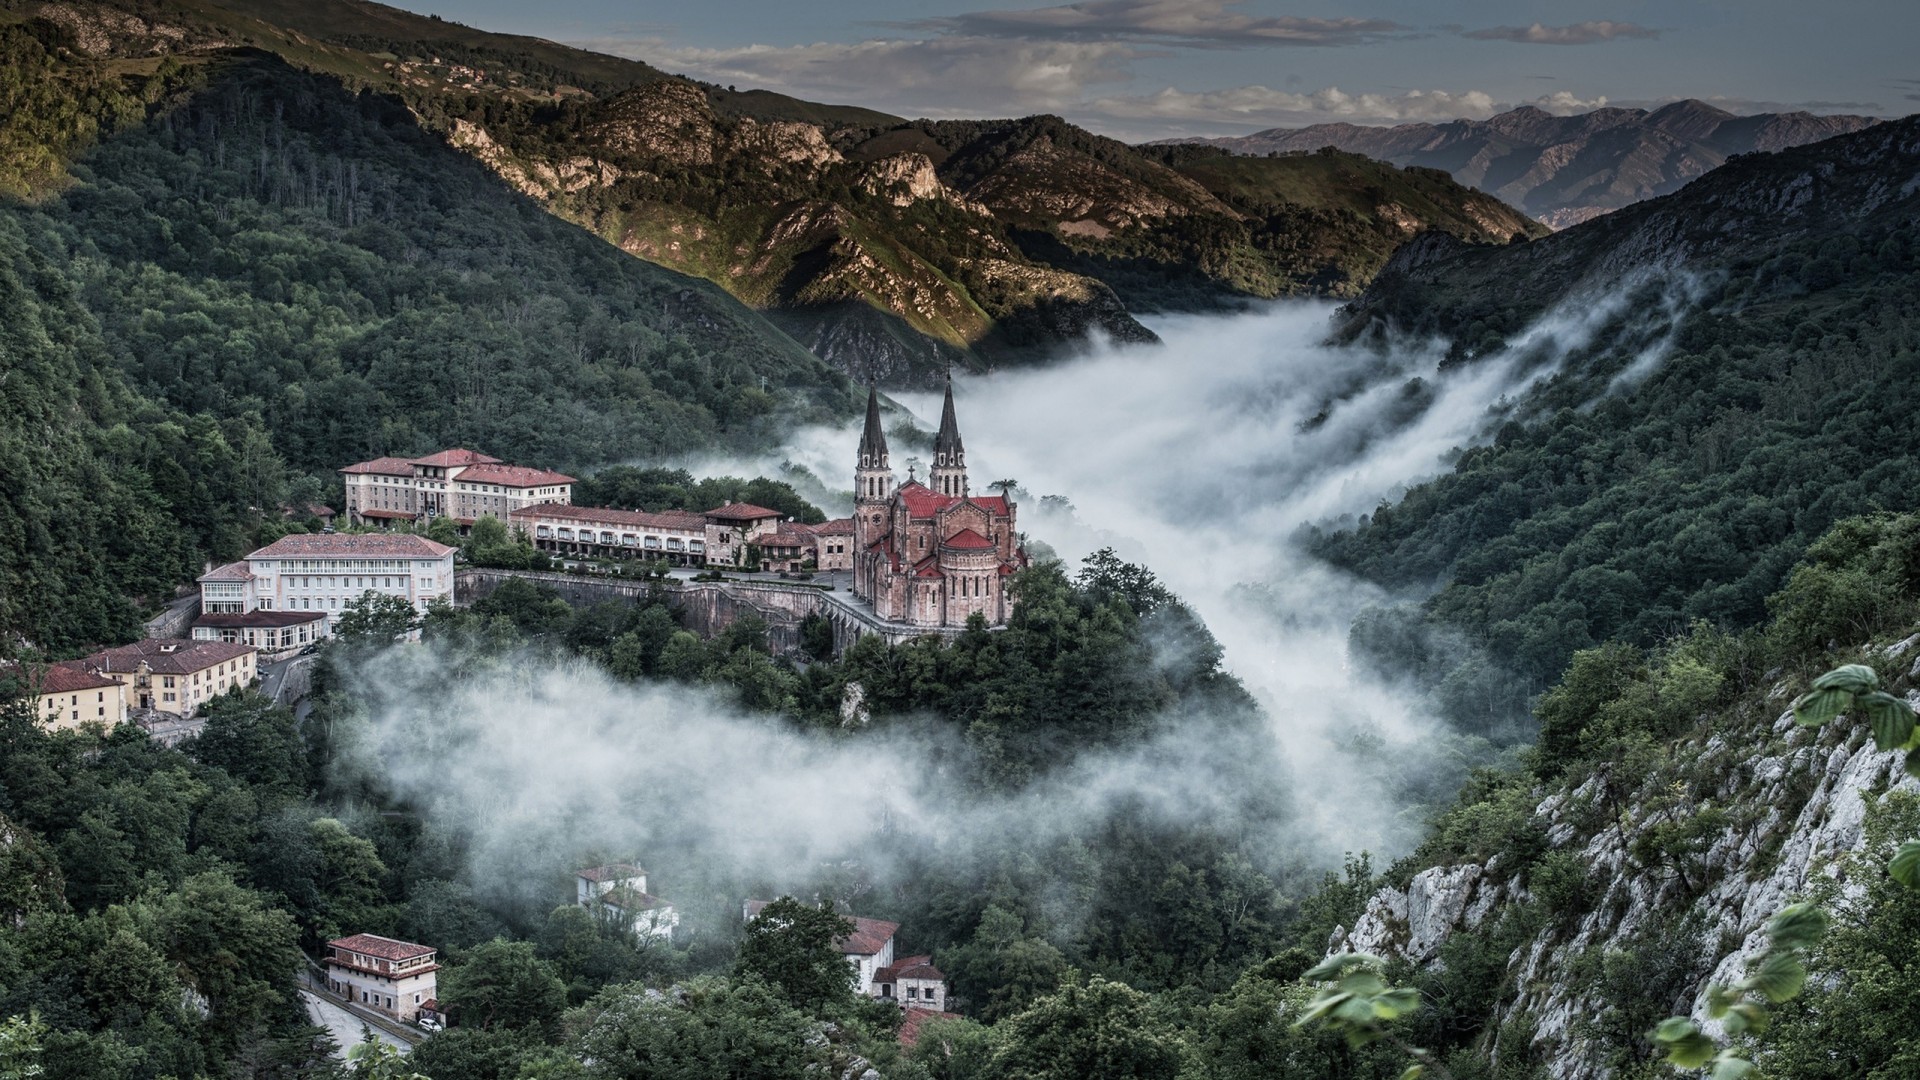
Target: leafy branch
point(1359, 1004)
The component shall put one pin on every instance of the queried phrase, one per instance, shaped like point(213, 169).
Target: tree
point(504, 985)
point(1105, 1029)
point(376, 619)
point(255, 741)
point(793, 948)
point(704, 1029)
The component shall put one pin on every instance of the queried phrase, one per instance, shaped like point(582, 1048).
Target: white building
point(913, 983)
point(323, 573)
point(395, 977)
point(618, 892)
point(676, 536)
point(869, 949)
point(228, 612)
point(165, 675)
point(461, 484)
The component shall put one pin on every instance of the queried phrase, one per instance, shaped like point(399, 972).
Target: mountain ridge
point(1565, 169)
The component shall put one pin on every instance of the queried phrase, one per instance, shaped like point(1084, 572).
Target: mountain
point(892, 249)
point(1565, 169)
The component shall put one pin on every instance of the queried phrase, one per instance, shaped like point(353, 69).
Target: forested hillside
point(248, 276)
point(1665, 475)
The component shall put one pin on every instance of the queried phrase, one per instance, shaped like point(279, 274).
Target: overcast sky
point(1147, 68)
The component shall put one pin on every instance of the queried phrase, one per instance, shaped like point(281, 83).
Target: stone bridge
point(709, 607)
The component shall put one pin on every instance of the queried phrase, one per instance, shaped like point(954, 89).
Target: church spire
point(949, 472)
point(873, 443)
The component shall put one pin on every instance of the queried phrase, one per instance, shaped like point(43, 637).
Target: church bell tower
point(872, 490)
point(949, 473)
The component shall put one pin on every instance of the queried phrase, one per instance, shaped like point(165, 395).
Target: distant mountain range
point(1563, 170)
point(892, 248)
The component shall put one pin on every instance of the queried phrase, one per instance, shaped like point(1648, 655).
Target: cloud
point(1581, 33)
point(1267, 107)
point(1193, 23)
point(950, 75)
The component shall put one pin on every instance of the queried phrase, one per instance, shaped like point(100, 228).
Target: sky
point(1159, 68)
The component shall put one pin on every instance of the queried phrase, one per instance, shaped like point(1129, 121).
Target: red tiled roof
point(836, 527)
point(389, 515)
point(928, 567)
point(791, 535)
point(64, 678)
point(993, 504)
point(742, 512)
point(869, 935)
point(259, 619)
point(968, 540)
point(913, 967)
point(922, 501)
point(384, 466)
point(167, 657)
point(910, 1027)
point(625, 519)
point(353, 545)
point(611, 872)
point(1008, 569)
point(385, 948)
point(518, 476)
point(447, 459)
point(233, 571)
point(633, 899)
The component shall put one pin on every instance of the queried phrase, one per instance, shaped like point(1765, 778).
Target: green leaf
point(1913, 763)
point(1797, 926)
point(1780, 977)
point(1414, 1072)
point(1890, 718)
point(1338, 964)
point(1753, 1018)
point(1719, 1000)
point(1729, 1067)
point(1683, 1042)
point(1819, 706)
point(1905, 866)
point(1396, 1003)
point(1853, 678)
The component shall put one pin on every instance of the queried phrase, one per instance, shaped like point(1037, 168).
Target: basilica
point(930, 554)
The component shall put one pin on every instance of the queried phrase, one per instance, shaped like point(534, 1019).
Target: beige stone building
point(175, 676)
point(395, 977)
point(833, 545)
point(790, 547)
point(68, 696)
point(931, 554)
point(731, 528)
point(676, 536)
point(461, 484)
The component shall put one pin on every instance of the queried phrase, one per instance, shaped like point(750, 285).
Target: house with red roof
point(68, 695)
point(393, 976)
point(930, 554)
point(868, 949)
point(617, 892)
point(464, 485)
point(167, 675)
point(290, 593)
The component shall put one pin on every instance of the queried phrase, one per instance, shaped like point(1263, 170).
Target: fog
point(1201, 458)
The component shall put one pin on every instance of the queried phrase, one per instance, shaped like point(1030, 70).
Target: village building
point(174, 676)
point(790, 548)
point(734, 527)
point(869, 951)
point(930, 554)
point(833, 545)
point(913, 983)
point(460, 484)
point(395, 977)
point(68, 696)
point(675, 536)
point(291, 592)
point(618, 893)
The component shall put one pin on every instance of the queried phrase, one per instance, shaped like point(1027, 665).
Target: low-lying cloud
point(1190, 23)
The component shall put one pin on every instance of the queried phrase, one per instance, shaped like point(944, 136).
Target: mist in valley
point(1204, 459)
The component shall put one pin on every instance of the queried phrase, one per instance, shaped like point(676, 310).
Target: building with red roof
point(393, 976)
point(167, 675)
point(868, 949)
point(930, 554)
point(676, 536)
point(464, 485)
point(68, 695)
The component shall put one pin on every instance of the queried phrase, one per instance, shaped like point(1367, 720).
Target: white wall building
point(618, 892)
point(461, 484)
point(395, 977)
point(869, 949)
point(677, 536)
point(327, 572)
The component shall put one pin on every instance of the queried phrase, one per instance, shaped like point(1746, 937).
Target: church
point(930, 554)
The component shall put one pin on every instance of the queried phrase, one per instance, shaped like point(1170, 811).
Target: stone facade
point(675, 536)
point(395, 977)
point(933, 554)
point(460, 484)
point(174, 676)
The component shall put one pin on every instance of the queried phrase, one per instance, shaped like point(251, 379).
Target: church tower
point(949, 473)
point(872, 490)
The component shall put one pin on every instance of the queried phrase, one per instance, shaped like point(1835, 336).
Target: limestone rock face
point(1775, 850)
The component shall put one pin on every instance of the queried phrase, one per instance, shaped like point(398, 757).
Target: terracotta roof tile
point(447, 459)
point(352, 545)
point(63, 678)
point(742, 512)
point(385, 948)
point(968, 540)
point(384, 466)
point(836, 527)
point(259, 619)
point(869, 935)
point(167, 656)
point(517, 476)
point(389, 515)
point(922, 501)
point(233, 571)
point(993, 504)
point(913, 967)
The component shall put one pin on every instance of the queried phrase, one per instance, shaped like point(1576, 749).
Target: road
point(345, 1027)
point(273, 676)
